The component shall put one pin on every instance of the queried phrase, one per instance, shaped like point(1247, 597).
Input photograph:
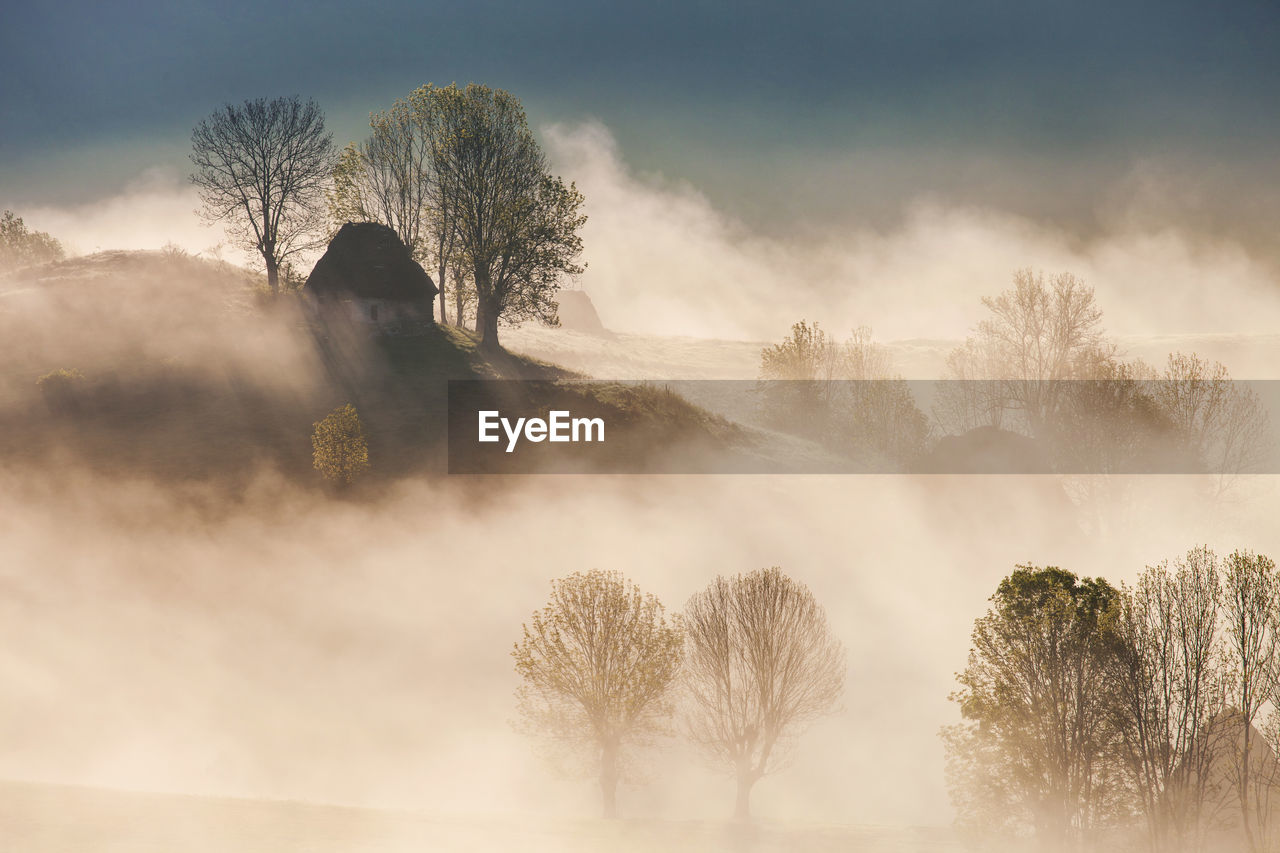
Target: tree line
point(455, 171)
point(1143, 716)
point(1039, 365)
point(20, 246)
point(603, 672)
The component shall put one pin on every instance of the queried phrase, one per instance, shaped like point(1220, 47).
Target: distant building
point(578, 314)
point(368, 277)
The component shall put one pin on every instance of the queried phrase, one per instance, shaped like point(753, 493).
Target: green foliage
point(596, 666)
point(517, 225)
point(20, 246)
point(1035, 755)
point(60, 378)
point(59, 388)
point(457, 173)
point(344, 195)
point(1091, 711)
point(340, 452)
point(389, 177)
point(806, 354)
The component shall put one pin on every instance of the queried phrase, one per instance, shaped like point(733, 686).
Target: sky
point(783, 115)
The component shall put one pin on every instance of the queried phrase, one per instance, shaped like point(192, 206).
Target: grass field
point(57, 819)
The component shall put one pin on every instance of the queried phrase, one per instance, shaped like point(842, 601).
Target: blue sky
point(773, 109)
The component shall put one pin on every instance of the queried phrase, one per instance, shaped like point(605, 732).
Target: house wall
point(384, 315)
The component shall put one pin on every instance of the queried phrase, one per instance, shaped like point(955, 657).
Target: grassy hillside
point(178, 368)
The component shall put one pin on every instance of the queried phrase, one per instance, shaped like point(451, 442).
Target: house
point(368, 277)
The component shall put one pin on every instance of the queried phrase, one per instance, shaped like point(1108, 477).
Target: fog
point(286, 645)
point(156, 208)
point(275, 641)
point(663, 260)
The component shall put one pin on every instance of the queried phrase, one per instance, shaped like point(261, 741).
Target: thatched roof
point(368, 260)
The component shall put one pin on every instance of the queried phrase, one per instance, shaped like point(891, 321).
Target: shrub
point(341, 453)
point(59, 388)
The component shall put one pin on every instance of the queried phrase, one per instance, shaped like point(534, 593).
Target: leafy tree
point(800, 376)
point(517, 225)
point(1037, 750)
point(340, 452)
point(394, 177)
point(262, 167)
point(386, 177)
point(807, 354)
point(596, 665)
point(761, 662)
point(20, 246)
point(464, 296)
point(1169, 695)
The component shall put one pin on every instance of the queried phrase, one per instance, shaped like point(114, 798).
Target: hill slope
point(177, 368)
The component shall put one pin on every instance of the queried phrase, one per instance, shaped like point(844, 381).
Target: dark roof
point(368, 260)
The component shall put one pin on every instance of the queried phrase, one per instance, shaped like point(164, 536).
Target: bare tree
point(968, 398)
point(1039, 332)
point(1251, 607)
point(262, 168)
point(761, 662)
point(596, 665)
point(1223, 422)
point(1169, 696)
point(386, 177)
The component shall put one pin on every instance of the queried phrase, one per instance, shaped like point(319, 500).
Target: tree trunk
point(441, 270)
point(742, 808)
point(1244, 787)
point(273, 272)
point(609, 780)
point(267, 245)
point(486, 310)
point(487, 326)
point(457, 298)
